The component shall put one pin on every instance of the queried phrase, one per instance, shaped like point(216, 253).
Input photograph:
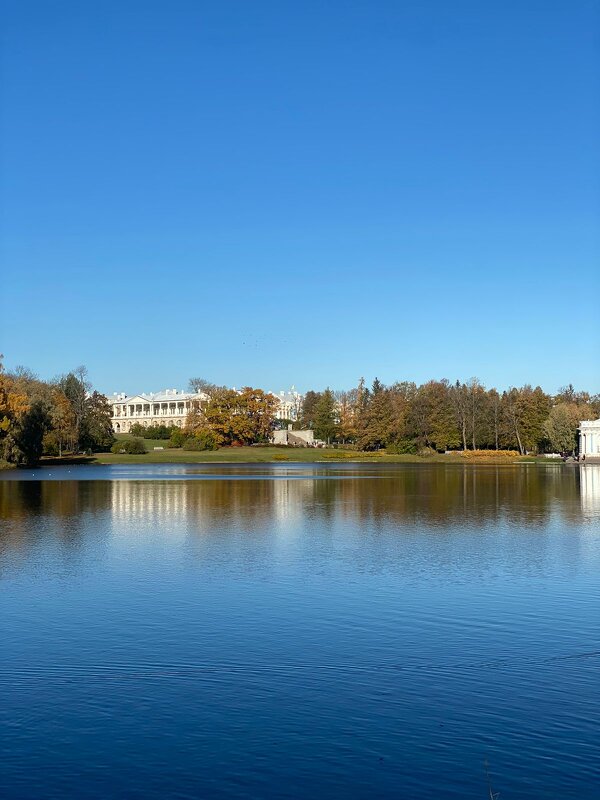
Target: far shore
point(281, 455)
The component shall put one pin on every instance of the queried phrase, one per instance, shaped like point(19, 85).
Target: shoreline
point(279, 456)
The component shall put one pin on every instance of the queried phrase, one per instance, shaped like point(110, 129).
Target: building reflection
point(590, 489)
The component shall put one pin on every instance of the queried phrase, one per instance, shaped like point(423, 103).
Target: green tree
point(24, 442)
point(561, 427)
point(326, 422)
point(96, 428)
point(75, 387)
point(524, 410)
point(309, 405)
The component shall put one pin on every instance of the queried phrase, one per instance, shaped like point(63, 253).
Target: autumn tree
point(434, 416)
point(459, 398)
point(346, 404)
point(13, 402)
point(63, 432)
point(477, 397)
point(375, 428)
point(494, 410)
point(243, 417)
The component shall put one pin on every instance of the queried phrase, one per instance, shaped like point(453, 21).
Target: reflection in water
point(590, 489)
point(306, 631)
point(475, 497)
point(445, 494)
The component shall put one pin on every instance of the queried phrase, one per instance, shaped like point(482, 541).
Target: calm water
point(300, 631)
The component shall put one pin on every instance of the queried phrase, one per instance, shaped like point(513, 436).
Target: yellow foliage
point(12, 402)
point(348, 454)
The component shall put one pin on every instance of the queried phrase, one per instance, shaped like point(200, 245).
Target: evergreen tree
point(325, 422)
point(23, 445)
point(309, 405)
point(376, 424)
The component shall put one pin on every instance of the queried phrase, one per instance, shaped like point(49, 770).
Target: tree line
point(439, 415)
point(66, 415)
point(54, 417)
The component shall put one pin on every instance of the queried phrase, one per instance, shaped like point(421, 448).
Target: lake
point(300, 631)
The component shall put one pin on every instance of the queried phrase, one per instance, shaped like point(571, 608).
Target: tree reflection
point(437, 495)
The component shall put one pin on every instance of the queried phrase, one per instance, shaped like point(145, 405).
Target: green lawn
point(230, 454)
point(276, 454)
point(268, 455)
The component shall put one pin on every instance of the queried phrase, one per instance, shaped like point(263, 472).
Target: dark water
point(300, 631)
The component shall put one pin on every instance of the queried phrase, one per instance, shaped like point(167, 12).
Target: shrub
point(201, 441)
point(177, 438)
point(426, 452)
point(50, 444)
point(403, 447)
point(349, 454)
point(475, 454)
point(152, 432)
point(134, 447)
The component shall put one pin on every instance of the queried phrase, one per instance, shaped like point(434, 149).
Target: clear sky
point(270, 193)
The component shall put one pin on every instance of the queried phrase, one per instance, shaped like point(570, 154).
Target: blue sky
point(276, 193)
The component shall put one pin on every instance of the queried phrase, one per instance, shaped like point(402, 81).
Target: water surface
point(302, 630)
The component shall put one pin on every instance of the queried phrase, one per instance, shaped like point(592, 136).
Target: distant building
point(589, 439)
point(289, 404)
point(295, 438)
point(169, 407)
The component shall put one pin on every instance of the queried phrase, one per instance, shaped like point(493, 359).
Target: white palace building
point(589, 439)
point(170, 408)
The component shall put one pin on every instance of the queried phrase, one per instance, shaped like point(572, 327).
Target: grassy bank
point(265, 455)
point(292, 454)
